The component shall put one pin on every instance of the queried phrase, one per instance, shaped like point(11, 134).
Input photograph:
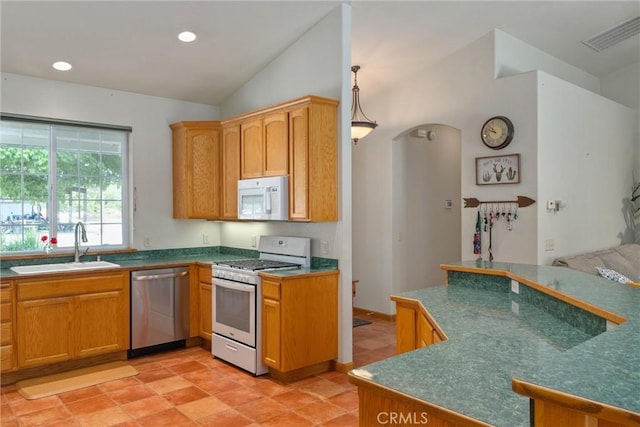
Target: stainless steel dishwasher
point(159, 309)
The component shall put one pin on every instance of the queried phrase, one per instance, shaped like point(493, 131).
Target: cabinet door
point(100, 323)
point(206, 317)
point(299, 164)
point(43, 331)
point(230, 171)
point(276, 144)
point(196, 169)
point(405, 328)
point(204, 185)
point(425, 331)
point(7, 349)
point(271, 338)
point(309, 321)
point(251, 149)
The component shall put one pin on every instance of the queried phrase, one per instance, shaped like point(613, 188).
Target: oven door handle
point(232, 285)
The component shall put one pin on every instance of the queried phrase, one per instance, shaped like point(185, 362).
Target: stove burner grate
point(260, 264)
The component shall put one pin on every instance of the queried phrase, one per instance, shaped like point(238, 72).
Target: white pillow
point(613, 275)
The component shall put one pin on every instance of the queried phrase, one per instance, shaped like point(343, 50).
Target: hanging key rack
point(521, 202)
point(491, 213)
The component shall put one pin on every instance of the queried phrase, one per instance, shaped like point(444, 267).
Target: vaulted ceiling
point(132, 45)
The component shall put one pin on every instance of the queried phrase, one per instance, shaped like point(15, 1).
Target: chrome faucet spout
point(83, 236)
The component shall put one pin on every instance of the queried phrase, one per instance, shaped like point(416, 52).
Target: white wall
point(426, 232)
point(585, 148)
point(514, 57)
point(311, 65)
point(150, 146)
point(491, 76)
point(460, 92)
point(317, 63)
point(623, 86)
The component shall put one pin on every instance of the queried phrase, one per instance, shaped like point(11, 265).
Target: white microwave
point(264, 199)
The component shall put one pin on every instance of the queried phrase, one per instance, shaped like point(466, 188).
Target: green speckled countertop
point(495, 335)
point(166, 257)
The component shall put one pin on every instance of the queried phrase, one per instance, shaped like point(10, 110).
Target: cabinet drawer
point(6, 336)
point(58, 287)
point(6, 312)
point(7, 360)
point(5, 295)
point(271, 290)
point(205, 274)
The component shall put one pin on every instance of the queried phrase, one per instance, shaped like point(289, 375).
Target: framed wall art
point(498, 169)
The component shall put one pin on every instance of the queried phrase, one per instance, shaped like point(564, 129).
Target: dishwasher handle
point(162, 276)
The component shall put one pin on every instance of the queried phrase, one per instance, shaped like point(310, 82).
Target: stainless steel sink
point(68, 266)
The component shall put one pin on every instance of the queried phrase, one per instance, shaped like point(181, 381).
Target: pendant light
point(361, 125)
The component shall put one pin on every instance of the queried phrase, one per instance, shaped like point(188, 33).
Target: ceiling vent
point(614, 35)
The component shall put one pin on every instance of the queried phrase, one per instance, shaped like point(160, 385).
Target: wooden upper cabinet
point(299, 160)
point(276, 144)
point(196, 169)
point(299, 139)
point(251, 149)
point(313, 159)
point(230, 170)
point(264, 146)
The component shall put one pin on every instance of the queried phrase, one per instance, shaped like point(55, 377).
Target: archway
point(426, 197)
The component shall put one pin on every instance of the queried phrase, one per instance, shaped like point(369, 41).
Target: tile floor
point(187, 387)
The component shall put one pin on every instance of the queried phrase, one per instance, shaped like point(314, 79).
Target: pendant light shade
point(361, 125)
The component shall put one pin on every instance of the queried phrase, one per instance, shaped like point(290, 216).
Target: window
point(54, 174)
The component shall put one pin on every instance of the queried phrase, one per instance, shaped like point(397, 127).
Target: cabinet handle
point(162, 276)
point(231, 348)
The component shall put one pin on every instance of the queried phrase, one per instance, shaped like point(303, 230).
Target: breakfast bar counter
point(509, 345)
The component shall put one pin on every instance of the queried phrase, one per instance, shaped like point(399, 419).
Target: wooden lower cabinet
point(205, 316)
point(300, 323)
point(7, 322)
point(415, 328)
point(95, 326)
point(65, 318)
point(555, 408)
point(44, 332)
point(379, 406)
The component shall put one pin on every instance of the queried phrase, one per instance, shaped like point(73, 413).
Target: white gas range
point(237, 296)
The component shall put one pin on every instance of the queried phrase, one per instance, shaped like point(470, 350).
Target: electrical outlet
point(147, 241)
point(324, 247)
point(549, 245)
point(205, 239)
point(253, 241)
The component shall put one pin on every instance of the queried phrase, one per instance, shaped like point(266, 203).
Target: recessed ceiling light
point(186, 36)
point(62, 66)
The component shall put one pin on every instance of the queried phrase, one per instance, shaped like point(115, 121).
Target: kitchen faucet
point(79, 224)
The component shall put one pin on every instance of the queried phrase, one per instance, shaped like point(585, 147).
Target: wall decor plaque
point(498, 169)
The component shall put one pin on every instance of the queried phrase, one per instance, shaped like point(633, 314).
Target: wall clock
point(497, 132)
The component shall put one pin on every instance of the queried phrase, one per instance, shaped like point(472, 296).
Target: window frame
point(125, 182)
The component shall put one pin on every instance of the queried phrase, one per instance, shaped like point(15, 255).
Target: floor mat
point(360, 322)
point(36, 388)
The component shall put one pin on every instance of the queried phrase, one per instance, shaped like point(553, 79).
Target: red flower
point(54, 240)
point(44, 238)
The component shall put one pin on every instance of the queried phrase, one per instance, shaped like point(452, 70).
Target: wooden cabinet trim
point(30, 289)
point(288, 105)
